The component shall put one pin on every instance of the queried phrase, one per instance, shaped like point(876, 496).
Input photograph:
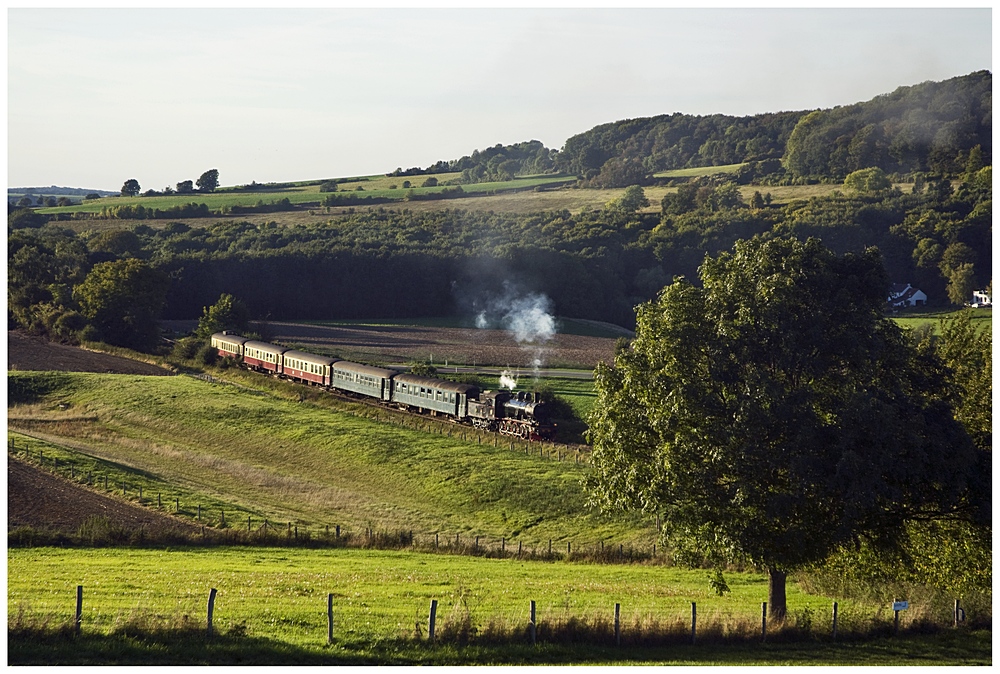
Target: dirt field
point(466, 346)
point(40, 499)
point(25, 352)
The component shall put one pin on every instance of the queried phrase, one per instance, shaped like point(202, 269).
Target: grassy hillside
point(316, 462)
point(308, 193)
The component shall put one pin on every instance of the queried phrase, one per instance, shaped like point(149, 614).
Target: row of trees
point(207, 182)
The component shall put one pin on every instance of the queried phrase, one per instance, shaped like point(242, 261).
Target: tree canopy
point(122, 299)
point(208, 181)
point(227, 314)
point(130, 188)
point(774, 414)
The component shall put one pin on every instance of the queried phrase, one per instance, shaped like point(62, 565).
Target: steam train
point(521, 414)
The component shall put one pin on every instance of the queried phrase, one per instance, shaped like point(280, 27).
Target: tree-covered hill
point(927, 127)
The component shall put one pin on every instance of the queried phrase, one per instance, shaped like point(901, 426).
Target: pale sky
point(98, 96)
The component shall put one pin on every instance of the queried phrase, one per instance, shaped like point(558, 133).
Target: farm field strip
point(281, 593)
point(298, 195)
point(315, 466)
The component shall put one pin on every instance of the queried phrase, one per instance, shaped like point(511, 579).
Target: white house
point(981, 298)
point(902, 296)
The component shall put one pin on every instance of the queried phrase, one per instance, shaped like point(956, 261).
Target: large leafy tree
point(123, 299)
point(774, 415)
point(208, 181)
point(130, 188)
point(228, 313)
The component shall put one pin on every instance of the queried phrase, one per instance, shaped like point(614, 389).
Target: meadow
point(271, 606)
point(982, 318)
point(269, 449)
point(309, 193)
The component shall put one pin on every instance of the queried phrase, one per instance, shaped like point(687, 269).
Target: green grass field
point(305, 194)
point(982, 318)
point(318, 462)
point(275, 600)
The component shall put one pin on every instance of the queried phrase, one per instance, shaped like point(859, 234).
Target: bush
point(206, 355)
point(187, 348)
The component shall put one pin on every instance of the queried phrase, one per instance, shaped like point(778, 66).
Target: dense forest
point(928, 127)
point(397, 263)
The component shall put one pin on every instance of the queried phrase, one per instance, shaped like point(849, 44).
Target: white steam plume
point(527, 317)
point(508, 380)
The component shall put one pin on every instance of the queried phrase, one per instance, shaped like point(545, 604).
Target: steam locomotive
point(523, 415)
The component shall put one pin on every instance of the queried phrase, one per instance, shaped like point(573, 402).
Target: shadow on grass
point(190, 647)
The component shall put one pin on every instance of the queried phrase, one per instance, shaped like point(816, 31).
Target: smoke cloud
point(527, 316)
point(508, 380)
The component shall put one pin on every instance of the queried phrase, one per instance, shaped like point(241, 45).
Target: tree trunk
point(776, 603)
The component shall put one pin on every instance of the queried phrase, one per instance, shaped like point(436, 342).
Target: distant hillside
point(54, 191)
point(927, 127)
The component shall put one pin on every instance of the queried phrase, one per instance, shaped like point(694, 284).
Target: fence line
point(533, 630)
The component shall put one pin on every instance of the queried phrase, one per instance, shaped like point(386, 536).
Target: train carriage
point(436, 395)
point(263, 356)
point(307, 367)
point(362, 379)
point(228, 346)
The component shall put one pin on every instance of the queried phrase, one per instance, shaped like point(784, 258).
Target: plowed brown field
point(466, 346)
point(40, 499)
point(26, 352)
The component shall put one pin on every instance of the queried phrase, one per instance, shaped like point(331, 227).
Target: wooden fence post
point(618, 629)
point(694, 622)
point(329, 618)
point(211, 609)
point(763, 620)
point(531, 624)
point(79, 608)
point(834, 621)
point(430, 623)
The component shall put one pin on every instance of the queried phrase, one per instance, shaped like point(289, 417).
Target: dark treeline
point(499, 163)
point(397, 263)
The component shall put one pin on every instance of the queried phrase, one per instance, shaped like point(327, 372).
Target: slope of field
point(39, 499)
point(314, 461)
